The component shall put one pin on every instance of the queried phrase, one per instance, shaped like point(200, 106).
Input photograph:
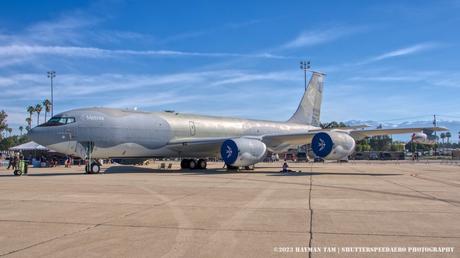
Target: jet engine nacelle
point(419, 137)
point(333, 145)
point(422, 138)
point(242, 152)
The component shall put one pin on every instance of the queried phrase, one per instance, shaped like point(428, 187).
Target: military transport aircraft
point(96, 133)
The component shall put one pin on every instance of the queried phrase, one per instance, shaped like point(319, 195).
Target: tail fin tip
point(309, 110)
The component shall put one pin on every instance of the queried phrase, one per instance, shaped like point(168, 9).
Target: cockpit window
point(59, 120)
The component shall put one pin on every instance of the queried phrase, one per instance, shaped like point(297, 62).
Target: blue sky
point(384, 59)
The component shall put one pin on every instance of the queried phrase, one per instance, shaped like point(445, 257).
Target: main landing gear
point(92, 166)
point(193, 164)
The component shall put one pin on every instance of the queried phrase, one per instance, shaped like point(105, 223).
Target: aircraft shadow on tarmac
point(331, 174)
point(149, 170)
point(132, 169)
point(45, 174)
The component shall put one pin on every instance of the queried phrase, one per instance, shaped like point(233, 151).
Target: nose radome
point(32, 134)
point(40, 135)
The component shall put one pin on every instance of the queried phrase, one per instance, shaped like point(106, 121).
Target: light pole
point(305, 65)
point(51, 75)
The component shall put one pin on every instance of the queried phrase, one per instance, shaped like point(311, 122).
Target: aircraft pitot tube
point(334, 145)
point(241, 152)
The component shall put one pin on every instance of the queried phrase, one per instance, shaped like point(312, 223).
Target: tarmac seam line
point(432, 197)
point(49, 240)
point(206, 229)
point(311, 215)
point(384, 235)
point(435, 180)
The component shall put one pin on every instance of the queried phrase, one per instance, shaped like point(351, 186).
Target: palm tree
point(47, 105)
point(443, 136)
point(29, 123)
point(9, 130)
point(38, 109)
point(448, 135)
point(21, 128)
point(31, 110)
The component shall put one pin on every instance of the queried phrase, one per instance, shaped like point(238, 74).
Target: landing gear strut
point(92, 166)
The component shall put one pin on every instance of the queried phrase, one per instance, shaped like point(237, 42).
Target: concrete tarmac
point(357, 209)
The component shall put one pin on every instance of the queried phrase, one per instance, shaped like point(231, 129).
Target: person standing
point(10, 162)
point(15, 161)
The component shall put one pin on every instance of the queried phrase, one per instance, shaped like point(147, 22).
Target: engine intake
point(241, 152)
point(332, 145)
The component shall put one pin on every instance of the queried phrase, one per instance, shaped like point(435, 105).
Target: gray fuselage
point(128, 133)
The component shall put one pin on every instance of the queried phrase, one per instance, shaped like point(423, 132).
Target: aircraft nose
point(40, 135)
point(34, 135)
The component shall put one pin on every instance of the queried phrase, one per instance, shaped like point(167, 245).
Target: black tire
point(184, 163)
point(192, 164)
point(202, 164)
point(95, 168)
point(17, 172)
point(232, 167)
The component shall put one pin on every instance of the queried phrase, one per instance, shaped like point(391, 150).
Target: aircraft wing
point(290, 139)
point(360, 134)
point(304, 138)
point(196, 147)
point(280, 142)
point(275, 142)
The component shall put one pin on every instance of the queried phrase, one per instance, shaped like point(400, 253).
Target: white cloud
point(311, 38)
point(143, 101)
point(140, 90)
point(406, 51)
point(19, 85)
point(247, 77)
point(19, 50)
point(423, 78)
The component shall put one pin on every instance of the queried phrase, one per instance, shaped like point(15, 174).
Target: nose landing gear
point(92, 166)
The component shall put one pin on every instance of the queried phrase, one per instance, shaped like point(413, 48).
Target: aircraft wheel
point(232, 167)
point(95, 168)
point(184, 163)
point(202, 164)
point(192, 164)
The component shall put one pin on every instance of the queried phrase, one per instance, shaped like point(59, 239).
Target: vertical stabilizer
point(309, 108)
